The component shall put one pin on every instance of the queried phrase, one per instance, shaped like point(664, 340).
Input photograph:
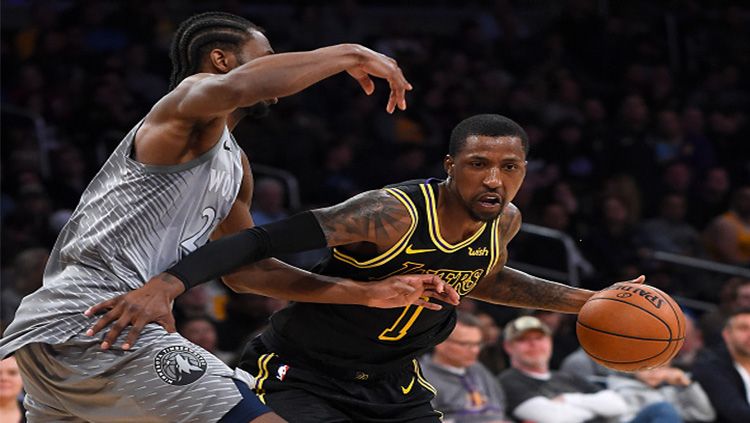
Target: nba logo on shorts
point(179, 365)
point(281, 373)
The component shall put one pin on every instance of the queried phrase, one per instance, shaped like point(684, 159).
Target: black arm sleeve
point(300, 232)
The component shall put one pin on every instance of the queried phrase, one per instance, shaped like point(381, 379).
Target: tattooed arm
point(514, 288)
point(369, 222)
point(375, 218)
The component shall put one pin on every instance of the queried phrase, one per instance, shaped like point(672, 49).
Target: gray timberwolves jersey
point(133, 222)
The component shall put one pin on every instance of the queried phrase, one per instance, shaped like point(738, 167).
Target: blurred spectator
point(728, 236)
point(201, 330)
point(11, 388)
point(699, 146)
point(579, 363)
point(537, 394)
point(563, 334)
point(69, 177)
point(725, 372)
point(691, 347)
point(611, 246)
point(710, 199)
point(673, 143)
point(663, 385)
point(24, 278)
point(642, 388)
point(676, 178)
point(631, 143)
point(492, 355)
point(268, 201)
point(735, 295)
point(466, 390)
point(669, 231)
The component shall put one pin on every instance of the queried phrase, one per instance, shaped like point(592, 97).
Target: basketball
point(630, 327)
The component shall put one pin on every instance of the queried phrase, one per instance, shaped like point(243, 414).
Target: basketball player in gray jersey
point(178, 178)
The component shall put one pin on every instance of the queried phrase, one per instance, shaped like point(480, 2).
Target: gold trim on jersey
point(421, 380)
point(262, 375)
point(397, 248)
point(434, 225)
point(495, 251)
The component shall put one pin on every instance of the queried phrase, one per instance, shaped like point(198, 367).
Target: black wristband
point(300, 232)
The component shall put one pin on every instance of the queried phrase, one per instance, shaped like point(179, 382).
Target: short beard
point(483, 218)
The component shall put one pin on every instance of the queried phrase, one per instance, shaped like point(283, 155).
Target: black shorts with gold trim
point(300, 393)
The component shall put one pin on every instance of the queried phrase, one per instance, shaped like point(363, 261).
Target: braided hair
point(201, 33)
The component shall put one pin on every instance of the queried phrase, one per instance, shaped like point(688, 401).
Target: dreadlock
point(202, 33)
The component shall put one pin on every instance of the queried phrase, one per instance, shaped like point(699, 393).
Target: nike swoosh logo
point(226, 145)
point(410, 250)
point(408, 388)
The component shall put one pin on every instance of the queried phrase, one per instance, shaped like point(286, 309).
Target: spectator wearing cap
point(535, 393)
point(466, 390)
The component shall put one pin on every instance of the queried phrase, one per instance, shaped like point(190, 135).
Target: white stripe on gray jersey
point(133, 222)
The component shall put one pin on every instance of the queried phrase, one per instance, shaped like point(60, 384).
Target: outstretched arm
point(189, 119)
point(285, 74)
point(511, 287)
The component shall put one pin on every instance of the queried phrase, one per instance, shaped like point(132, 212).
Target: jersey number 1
point(402, 325)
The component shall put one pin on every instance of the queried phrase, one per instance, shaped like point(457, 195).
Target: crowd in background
point(637, 114)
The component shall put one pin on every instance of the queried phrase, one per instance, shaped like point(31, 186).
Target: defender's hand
point(150, 303)
point(404, 290)
point(381, 66)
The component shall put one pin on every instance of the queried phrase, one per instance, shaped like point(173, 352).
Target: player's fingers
point(169, 324)
point(451, 295)
point(102, 306)
point(115, 330)
point(448, 293)
point(442, 296)
point(133, 333)
point(428, 305)
point(404, 287)
point(367, 84)
point(399, 91)
point(425, 281)
point(639, 279)
point(391, 106)
point(104, 321)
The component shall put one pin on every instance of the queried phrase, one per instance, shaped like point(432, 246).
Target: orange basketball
point(631, 327)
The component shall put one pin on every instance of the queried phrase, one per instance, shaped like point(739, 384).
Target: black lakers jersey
point(372, 339)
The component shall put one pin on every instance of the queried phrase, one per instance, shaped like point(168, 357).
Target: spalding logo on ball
point(630, 327)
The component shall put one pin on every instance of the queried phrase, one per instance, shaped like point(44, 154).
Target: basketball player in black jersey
point(337, 363)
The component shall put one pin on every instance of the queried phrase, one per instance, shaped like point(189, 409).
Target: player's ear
point(448, 164)
point(220, 60)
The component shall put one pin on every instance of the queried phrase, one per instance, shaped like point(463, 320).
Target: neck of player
point(451, 211)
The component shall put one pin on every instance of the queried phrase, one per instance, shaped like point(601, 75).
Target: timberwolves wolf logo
point(179, 365)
